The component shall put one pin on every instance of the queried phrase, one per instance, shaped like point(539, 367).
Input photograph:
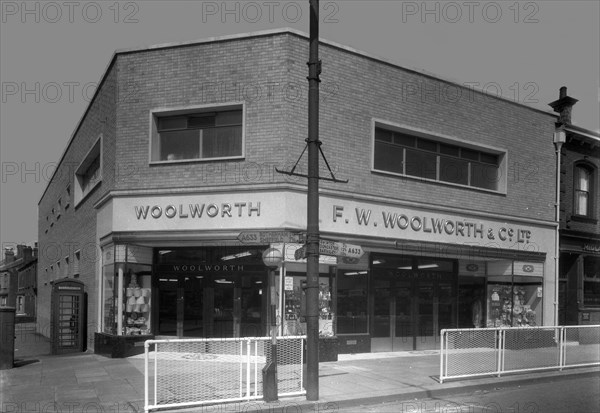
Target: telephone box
point(68, 316)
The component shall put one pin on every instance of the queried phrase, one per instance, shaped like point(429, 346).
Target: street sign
point(337, 249)
point(340, 249)
point(300, 253)
point(269, 237)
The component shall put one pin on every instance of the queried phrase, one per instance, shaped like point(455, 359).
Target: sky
point(54, 53)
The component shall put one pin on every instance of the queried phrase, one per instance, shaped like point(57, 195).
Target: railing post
point(302, 363)
point(248, 369)
point(155, 374)
point(443, 340)
point(241, 369)
point(255, 367)
point(146, 376)
point(562, 347)
point(500, 343)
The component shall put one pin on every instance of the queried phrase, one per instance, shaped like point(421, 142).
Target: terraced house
point(167, 196)
point(579, 189)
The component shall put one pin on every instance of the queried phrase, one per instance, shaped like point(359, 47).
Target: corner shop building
point(164, 186)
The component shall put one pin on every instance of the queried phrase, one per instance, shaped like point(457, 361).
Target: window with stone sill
point(402, 152)
point(20, 304)
point(68, 197)
point(197, 134)
point(582, 191)
point(77, 259)
point(88, 174)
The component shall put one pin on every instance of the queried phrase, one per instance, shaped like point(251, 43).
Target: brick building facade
point(18, 282)
point(450, 196)
point(579, 274)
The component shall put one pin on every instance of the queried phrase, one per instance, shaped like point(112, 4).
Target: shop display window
point(110, 326)
point(352, 302)
point(591, 281)
point(471, 302)
point(137, 300)
point(127, 299)
point(514, 304)
point(294, 314)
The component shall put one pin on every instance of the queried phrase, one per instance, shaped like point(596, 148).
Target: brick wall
point(269, 74)
point(75, 229)
point(214, 73)
point(369, 89)
point(354, 90)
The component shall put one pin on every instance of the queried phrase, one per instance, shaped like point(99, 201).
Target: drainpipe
point(559, 139)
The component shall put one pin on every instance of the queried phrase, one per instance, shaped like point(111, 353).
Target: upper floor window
point(199, 134)
point(68, 197)
point(76, 261)
point(89, 173)
point(4, 280)
point(582, 190)
point(20, 304)
point(442, 161)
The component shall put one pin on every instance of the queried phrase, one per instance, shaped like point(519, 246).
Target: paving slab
point(89, 383)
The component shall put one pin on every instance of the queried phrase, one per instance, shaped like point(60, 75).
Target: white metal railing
point(192, 372)
point(494, 351)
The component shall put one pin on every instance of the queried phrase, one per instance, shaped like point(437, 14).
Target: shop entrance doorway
point(210, 292)
point(409, 314)
point(190, 306)
point(410, 307)
point(180, 303)
point(393, 318)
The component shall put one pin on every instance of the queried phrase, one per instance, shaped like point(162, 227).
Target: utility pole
point(313, 144)
point(312, 229)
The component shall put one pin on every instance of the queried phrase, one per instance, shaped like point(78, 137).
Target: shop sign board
point(289, 284)
point(270, 237)
point(334, 248)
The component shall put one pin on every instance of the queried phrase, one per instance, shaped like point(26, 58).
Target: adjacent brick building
point(18, 282)
point(167, 195)
point(579, 275)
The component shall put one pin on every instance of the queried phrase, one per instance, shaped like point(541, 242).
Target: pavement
point(89, 383)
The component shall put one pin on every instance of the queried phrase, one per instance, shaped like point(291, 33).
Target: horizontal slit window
point(403, 154)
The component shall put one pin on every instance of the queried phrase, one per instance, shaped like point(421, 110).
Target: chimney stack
point(9, 255)
point(27, 254)
point(563, 106)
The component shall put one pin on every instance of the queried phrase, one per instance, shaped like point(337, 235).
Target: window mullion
point(200, 146)
point(469, 172)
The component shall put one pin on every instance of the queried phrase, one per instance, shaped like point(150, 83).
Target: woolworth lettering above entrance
point(198, 210)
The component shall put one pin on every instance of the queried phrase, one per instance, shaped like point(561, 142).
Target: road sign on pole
point(300, 253)
point(269, 237)
point(340, 249)
point(333, 248)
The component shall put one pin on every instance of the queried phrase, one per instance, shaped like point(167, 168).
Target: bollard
point(270, 377)
point(270, 371)
point(7, 338)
